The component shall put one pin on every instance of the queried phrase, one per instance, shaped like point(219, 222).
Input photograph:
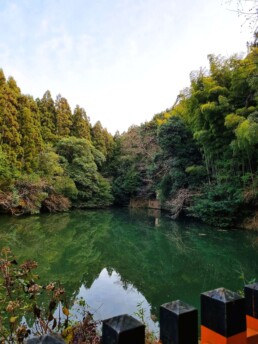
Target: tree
point(50, 170)
point(98, 138)
point(134, 154)
point(80, 124)
point(63, 117)
point(205, 109)
point(31, 140)
point(248, 10)
point(219, 205)
point(79, 165)
point(7, 172)
point(10, 137)
point(180, 156)
point(242, 121)
point(47, 117)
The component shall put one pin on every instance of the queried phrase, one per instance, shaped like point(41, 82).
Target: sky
point(123, 61)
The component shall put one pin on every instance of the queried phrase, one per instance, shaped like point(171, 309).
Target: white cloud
point(123, 61)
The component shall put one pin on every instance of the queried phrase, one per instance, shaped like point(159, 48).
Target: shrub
point(21, 297)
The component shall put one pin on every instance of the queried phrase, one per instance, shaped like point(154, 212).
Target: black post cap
point(223, 311)
point(178, 323)
point(123, 329)
point(251, 300)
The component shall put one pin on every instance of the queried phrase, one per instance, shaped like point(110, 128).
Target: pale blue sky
point(122, 60)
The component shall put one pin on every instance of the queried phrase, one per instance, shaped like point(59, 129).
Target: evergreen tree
point(7, 172)
point(47, 111)
point(98, 138)
point(63, 116)
point(109, 142)
point(80, 124)
point(31, 140)
point(10, 137)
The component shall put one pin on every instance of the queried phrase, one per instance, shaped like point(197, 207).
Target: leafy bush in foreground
point(29, 308)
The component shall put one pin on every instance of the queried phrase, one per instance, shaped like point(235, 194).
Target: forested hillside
point(199, 158)
point(50, 157)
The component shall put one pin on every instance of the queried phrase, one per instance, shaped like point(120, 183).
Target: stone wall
point(144, 203)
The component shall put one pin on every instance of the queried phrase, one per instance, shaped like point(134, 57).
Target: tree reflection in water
point(118, 257)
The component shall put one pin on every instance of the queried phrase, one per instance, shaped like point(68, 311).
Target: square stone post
point(251, 303)
point(123, 329)
point(223, 318)
point(178, 323)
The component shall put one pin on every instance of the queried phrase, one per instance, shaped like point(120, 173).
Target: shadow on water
point(117, 258)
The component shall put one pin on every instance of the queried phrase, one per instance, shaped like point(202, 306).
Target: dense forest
point(199, 158)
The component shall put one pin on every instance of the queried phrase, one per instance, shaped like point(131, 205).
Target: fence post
point(223, 319)
point(123, 329)
point(251, 302)
point(178, 323)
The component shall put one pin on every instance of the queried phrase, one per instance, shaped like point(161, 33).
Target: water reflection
point(119, 257)
point(108, 296)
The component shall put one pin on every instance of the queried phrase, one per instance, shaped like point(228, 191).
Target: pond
point(119, 258)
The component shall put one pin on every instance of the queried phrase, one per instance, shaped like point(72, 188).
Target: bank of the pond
point(179, 208)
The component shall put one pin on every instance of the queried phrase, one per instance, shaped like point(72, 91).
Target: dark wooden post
point(223, 319)
point(123, 329)
point(178, 323)
point(251, 302)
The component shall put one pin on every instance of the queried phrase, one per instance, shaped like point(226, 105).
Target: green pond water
point(118, 258)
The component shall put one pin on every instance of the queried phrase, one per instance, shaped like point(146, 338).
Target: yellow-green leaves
point(247, 134)
point(233, 120)
point(208, 107)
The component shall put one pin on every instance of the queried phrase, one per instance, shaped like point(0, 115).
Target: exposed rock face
point(46, 339)
point(251, 222)
point(177, 205)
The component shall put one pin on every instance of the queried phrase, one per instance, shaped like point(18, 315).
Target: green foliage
point(49, 163)
point(98, 138)
point(31, 139)
point(79, 164)
point(126, 184)
point(7, 172)
point(177, 142)
point(165, 187)
point(98, 156)
point(180, 154)
point(36, 175)
point(196, 174)
point(219, 205)
point(63, 116)
point(247, 134)
point(10, 136)
point(80, 124)
point(65, 186)
point(209, 135)
point(47, 117)
point(133, 163)
point(232, 120)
